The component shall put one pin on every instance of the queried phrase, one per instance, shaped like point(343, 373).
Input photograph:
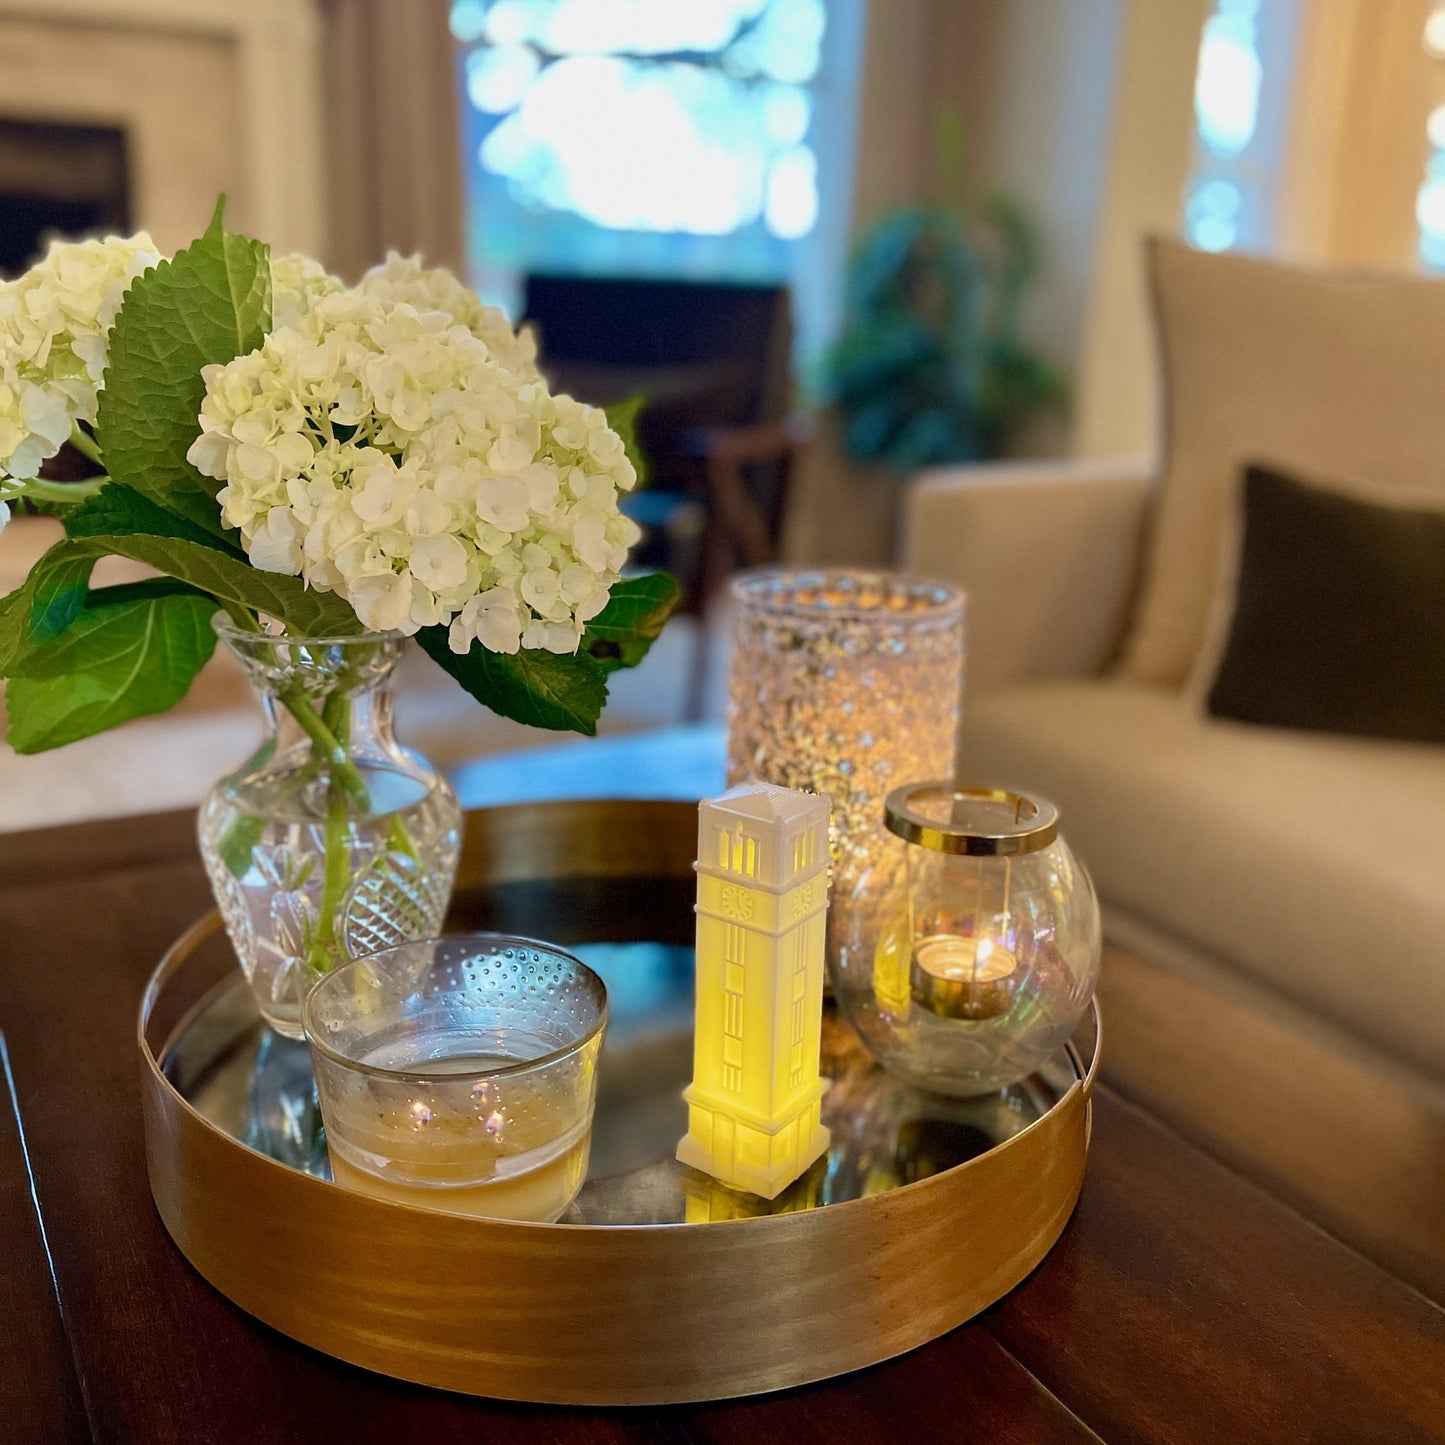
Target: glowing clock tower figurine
point(762, 886)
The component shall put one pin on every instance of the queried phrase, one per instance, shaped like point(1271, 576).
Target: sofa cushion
point(1322, 375)
point(1310, 862)
point(1336, 614)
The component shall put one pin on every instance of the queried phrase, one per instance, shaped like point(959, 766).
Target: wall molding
point(278, 51)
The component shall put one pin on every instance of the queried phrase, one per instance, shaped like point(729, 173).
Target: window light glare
point(510, 22)
point(785, 45)
point(1434, 36)
point(1212, 215)
point(1213, 233)
point(665, 147)
point(1226, 87)
point(637, 27)
point(787, 112)
point(468, 18)
point(1432, 252)
point(499, 76)
point(791, 210)
point(1430, 208)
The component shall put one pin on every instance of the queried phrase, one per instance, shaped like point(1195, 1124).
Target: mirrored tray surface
point(256, 1087)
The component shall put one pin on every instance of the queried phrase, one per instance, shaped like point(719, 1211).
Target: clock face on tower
point(755, 1099)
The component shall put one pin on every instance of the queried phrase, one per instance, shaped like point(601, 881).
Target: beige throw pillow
point(1324, 374)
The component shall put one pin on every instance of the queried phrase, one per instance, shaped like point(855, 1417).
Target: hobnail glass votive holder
point(460, 1074)
point(846, 683)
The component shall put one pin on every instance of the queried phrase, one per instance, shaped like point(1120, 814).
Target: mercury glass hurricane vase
point(331, 841)
point(845, 683)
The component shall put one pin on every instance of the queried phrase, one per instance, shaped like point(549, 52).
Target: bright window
point(685, 139)
point(1241, 91)
point(1430, 200)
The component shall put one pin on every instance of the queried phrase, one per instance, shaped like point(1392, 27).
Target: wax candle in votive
point(962, 978)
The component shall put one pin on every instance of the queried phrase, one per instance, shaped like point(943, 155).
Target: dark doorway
point(58, 178)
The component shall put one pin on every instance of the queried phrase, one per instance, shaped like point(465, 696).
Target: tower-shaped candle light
point(762, 884)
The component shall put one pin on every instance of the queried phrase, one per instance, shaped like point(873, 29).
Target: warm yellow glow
point(527, 1166)
point(962, 978)
point(964, 960)
point(891, 958)
point(755, 1101)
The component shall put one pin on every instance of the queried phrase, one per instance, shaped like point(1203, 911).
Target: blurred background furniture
point(1298, 870)
point(710, 362)
point(1271, 897)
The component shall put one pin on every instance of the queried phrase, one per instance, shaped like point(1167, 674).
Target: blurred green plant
point(932, 367)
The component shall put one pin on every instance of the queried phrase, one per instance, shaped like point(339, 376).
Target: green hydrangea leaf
point(143, 591)
point(541, 689)
point(121, 659)
point(45, 604)
point(622, 418)
point(119, 511)
point(54, 595)
point(211, 303)
point(305, 612)
point(238, 843)
point(620, 635)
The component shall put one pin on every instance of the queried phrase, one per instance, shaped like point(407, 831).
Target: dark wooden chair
point(747, 473)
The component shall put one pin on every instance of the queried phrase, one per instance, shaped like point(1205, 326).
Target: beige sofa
point(1304, 871)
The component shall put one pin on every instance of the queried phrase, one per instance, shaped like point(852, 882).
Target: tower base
point(763, 1157)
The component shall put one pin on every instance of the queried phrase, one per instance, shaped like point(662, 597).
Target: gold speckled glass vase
point(332, 840)
point(845, 683)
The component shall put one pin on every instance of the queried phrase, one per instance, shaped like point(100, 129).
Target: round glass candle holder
point(971, 947)
point(460, 1074)
point(844, 683)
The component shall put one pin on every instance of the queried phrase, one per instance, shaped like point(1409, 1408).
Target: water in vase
point(294, 907)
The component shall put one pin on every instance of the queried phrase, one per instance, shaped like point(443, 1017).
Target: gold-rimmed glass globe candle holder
point(846, 683)
point(972, 946)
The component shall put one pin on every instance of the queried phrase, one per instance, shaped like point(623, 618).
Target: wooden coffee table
point(1183, 1303)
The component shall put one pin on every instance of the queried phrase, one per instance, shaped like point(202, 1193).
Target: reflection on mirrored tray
point(258, 1087)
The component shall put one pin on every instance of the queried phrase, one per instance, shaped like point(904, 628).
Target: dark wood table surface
point(1181, 1304)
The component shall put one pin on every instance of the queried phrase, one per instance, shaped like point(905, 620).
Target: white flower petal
point(276, 545)
point(382, 603)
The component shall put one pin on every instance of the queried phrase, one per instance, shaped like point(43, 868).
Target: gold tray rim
point(430, 1325)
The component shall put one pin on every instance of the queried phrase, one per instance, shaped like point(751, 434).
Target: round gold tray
point(659, 1285)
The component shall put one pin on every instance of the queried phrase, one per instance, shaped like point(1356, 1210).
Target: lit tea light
point(962, 978)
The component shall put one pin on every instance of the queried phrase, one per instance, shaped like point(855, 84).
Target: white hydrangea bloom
point(54, 325)
point(404, 278)
point(296, 282)
point(4, 514)
point(385, 453)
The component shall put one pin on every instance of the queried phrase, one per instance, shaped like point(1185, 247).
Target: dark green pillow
point(1339, 621)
